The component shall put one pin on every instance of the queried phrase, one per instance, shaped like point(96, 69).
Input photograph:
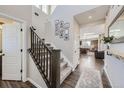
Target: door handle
point(2, 54)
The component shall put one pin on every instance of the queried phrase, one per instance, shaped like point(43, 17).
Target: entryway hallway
point(87, 61)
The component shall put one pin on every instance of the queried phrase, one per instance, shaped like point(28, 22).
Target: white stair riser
point(63, 66)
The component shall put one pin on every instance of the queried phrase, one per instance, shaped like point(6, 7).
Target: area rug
point(90, 78)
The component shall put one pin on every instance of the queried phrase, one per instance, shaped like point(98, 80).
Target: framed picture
point(62, 29)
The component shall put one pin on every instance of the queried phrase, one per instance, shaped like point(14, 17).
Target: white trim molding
point(108, 76)
point(34, 83)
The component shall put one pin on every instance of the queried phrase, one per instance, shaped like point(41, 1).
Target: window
point(48, 9)
point(45, 9)
point(86, 44)
point(52, 8)
point(38, 6)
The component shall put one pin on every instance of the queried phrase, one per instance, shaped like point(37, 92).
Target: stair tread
point(64, 73)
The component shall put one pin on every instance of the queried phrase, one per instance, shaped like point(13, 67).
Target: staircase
point(52, 67)
point(65, 69)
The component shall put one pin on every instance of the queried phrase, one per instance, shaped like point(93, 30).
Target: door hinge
point(21, 50)
point(21, 70)
point(21, 30)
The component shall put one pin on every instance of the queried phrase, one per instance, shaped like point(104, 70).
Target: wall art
point(62, 29)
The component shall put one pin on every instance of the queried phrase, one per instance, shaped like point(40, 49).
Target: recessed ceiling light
point(90, 17)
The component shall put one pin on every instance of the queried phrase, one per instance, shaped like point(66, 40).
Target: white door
point(11, 45)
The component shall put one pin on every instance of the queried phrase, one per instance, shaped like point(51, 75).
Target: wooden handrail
point(47, 60)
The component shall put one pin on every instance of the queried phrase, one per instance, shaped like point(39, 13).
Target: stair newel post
point(55, 68)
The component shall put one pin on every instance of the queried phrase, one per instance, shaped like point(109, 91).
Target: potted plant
point(108, 40)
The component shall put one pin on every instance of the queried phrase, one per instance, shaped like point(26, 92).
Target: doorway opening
point(10, 46)
point(90, 48)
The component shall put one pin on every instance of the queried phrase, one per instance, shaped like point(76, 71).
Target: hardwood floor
point(90, 62)
point(71, 81)
point(15, 84)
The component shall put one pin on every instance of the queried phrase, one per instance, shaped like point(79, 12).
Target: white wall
point(65, 13)
point(34, 76)
point(40, 21)
point(113, 66)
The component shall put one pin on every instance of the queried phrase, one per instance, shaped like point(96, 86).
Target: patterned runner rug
point(90, 78)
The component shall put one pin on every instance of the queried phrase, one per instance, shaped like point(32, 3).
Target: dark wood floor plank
point(15, 84)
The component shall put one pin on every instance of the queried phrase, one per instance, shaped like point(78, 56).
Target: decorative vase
point(107, 45)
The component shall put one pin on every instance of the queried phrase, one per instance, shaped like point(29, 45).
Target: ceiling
point(93, 15)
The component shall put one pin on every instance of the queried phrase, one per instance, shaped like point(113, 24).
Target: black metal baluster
point(35, 47)
point(37, 52)
point(50, 69)
point(41, 54)
point(49, 66)
point(46, 62)
point(44, 58)
point(33, 41)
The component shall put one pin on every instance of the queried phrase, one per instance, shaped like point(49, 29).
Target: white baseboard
point(73, 69)
point(24, 80)
point(33, 82)
point(108, 77)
